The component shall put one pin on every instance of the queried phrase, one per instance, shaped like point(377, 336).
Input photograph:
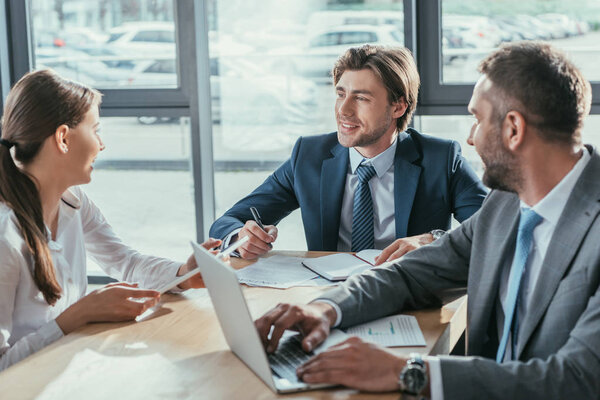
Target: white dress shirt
point(27, 322)
point(382, 194)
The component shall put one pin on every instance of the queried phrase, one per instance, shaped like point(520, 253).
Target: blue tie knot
point(529, 220)
point(365, 173)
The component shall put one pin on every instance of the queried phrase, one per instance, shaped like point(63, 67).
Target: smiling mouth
point(347, 125)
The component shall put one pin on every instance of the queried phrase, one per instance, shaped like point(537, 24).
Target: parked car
point(317, 58)
point(324, 20)
point(242, 92)
point(561, 24)
point(144, 37)
point(79, 66)
point(475, 31)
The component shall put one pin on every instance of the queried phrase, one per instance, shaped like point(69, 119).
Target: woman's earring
point(65, 149)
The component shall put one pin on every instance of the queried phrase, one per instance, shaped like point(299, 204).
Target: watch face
point(414, 379)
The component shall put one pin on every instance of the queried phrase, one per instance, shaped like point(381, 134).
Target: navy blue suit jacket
point(432, 181)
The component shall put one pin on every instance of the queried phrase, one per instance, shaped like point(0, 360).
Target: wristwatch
point(413, 378)
point(437, 233)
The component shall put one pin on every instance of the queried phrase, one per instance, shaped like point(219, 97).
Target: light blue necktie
point(527, 223)
point(362, 211)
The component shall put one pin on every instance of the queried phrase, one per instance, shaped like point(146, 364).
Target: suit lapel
point(580, 212)
point(333, 180)
point(406, 180)
point(484, 293)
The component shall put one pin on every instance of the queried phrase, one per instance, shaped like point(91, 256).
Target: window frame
point(436, 97)
point(191, 29)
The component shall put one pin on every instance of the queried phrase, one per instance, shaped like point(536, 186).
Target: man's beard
point(501, 167)
point(376, 133)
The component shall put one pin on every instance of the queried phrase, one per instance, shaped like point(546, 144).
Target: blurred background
point(268, 68)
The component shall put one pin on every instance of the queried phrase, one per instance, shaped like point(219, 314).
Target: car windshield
point(114, 36)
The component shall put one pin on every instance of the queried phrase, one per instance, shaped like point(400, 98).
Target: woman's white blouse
point(27, 322)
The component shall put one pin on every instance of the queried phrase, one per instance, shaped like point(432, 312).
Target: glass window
point(458, 127)
point(143, 185)
point(354, 37)
point(270, 83)
point(328, 39)
point(472, 29)
point(106, 44)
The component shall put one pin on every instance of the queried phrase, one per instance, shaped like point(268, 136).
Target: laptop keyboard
point(288, 357)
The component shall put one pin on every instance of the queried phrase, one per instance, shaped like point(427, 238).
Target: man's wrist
point(328, 311)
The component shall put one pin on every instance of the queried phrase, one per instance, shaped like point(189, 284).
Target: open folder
point(337, 267)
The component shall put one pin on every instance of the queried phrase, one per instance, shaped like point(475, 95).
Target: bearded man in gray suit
point(529, 259)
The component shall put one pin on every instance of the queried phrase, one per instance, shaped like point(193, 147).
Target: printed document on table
point(276, 271)
point(397, 330)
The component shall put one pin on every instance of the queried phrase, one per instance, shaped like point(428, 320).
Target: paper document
point(337, 267)
point(397, 330)
point(276, 271)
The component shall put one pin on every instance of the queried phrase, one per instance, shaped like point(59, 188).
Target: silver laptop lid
point(233, 314)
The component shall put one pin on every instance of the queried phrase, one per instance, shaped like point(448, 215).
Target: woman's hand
point(196, 280)
point(114, 302)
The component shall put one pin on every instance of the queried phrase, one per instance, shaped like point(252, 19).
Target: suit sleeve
point(466, 189)
point(427, 277)
point(275, 199)
point(572, 373)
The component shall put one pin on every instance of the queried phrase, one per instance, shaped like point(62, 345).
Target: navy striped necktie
point(363, 236)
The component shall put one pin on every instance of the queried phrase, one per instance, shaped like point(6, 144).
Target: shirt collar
point(381, 162)
point(69, 205)
point(552, 205)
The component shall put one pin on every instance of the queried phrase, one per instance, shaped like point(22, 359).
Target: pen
point(232, 247)
point(256, 217)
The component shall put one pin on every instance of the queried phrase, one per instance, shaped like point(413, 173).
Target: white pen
point(180, 279)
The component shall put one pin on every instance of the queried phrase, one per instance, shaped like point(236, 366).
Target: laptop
point(277, 370)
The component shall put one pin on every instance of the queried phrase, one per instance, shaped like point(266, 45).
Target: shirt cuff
point(338, 311)
point(176, 289)
point(50, 332)
point(435, 376)
point(227, 240)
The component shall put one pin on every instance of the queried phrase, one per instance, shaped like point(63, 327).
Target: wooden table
point(186, 333)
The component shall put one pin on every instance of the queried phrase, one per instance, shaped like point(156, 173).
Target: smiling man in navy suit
point(373, 183)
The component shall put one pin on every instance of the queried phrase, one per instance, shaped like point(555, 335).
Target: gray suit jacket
point(559, 340)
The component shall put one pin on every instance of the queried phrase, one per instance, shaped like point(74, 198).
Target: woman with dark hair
point(48, 226)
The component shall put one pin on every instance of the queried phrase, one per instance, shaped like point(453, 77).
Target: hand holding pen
point(261, 237)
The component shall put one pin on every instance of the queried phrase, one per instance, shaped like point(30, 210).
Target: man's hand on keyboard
point(312, 320)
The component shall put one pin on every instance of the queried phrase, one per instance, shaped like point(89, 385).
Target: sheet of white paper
point(318, 281)
point(397, 330)
point(275, 271)
point(369, 255)
point(94, 376)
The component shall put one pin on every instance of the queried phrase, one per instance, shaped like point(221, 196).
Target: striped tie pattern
point(362, 220)
point(527, 223)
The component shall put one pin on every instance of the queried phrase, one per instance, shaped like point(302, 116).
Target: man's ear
point(514, 128)
point(62, 138)
point(399, 107)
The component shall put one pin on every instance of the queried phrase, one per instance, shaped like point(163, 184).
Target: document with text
point(278, 272)
point(397, 330)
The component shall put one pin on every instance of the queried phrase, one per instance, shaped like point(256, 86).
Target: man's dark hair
point(395, 67)
point(539, 81)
